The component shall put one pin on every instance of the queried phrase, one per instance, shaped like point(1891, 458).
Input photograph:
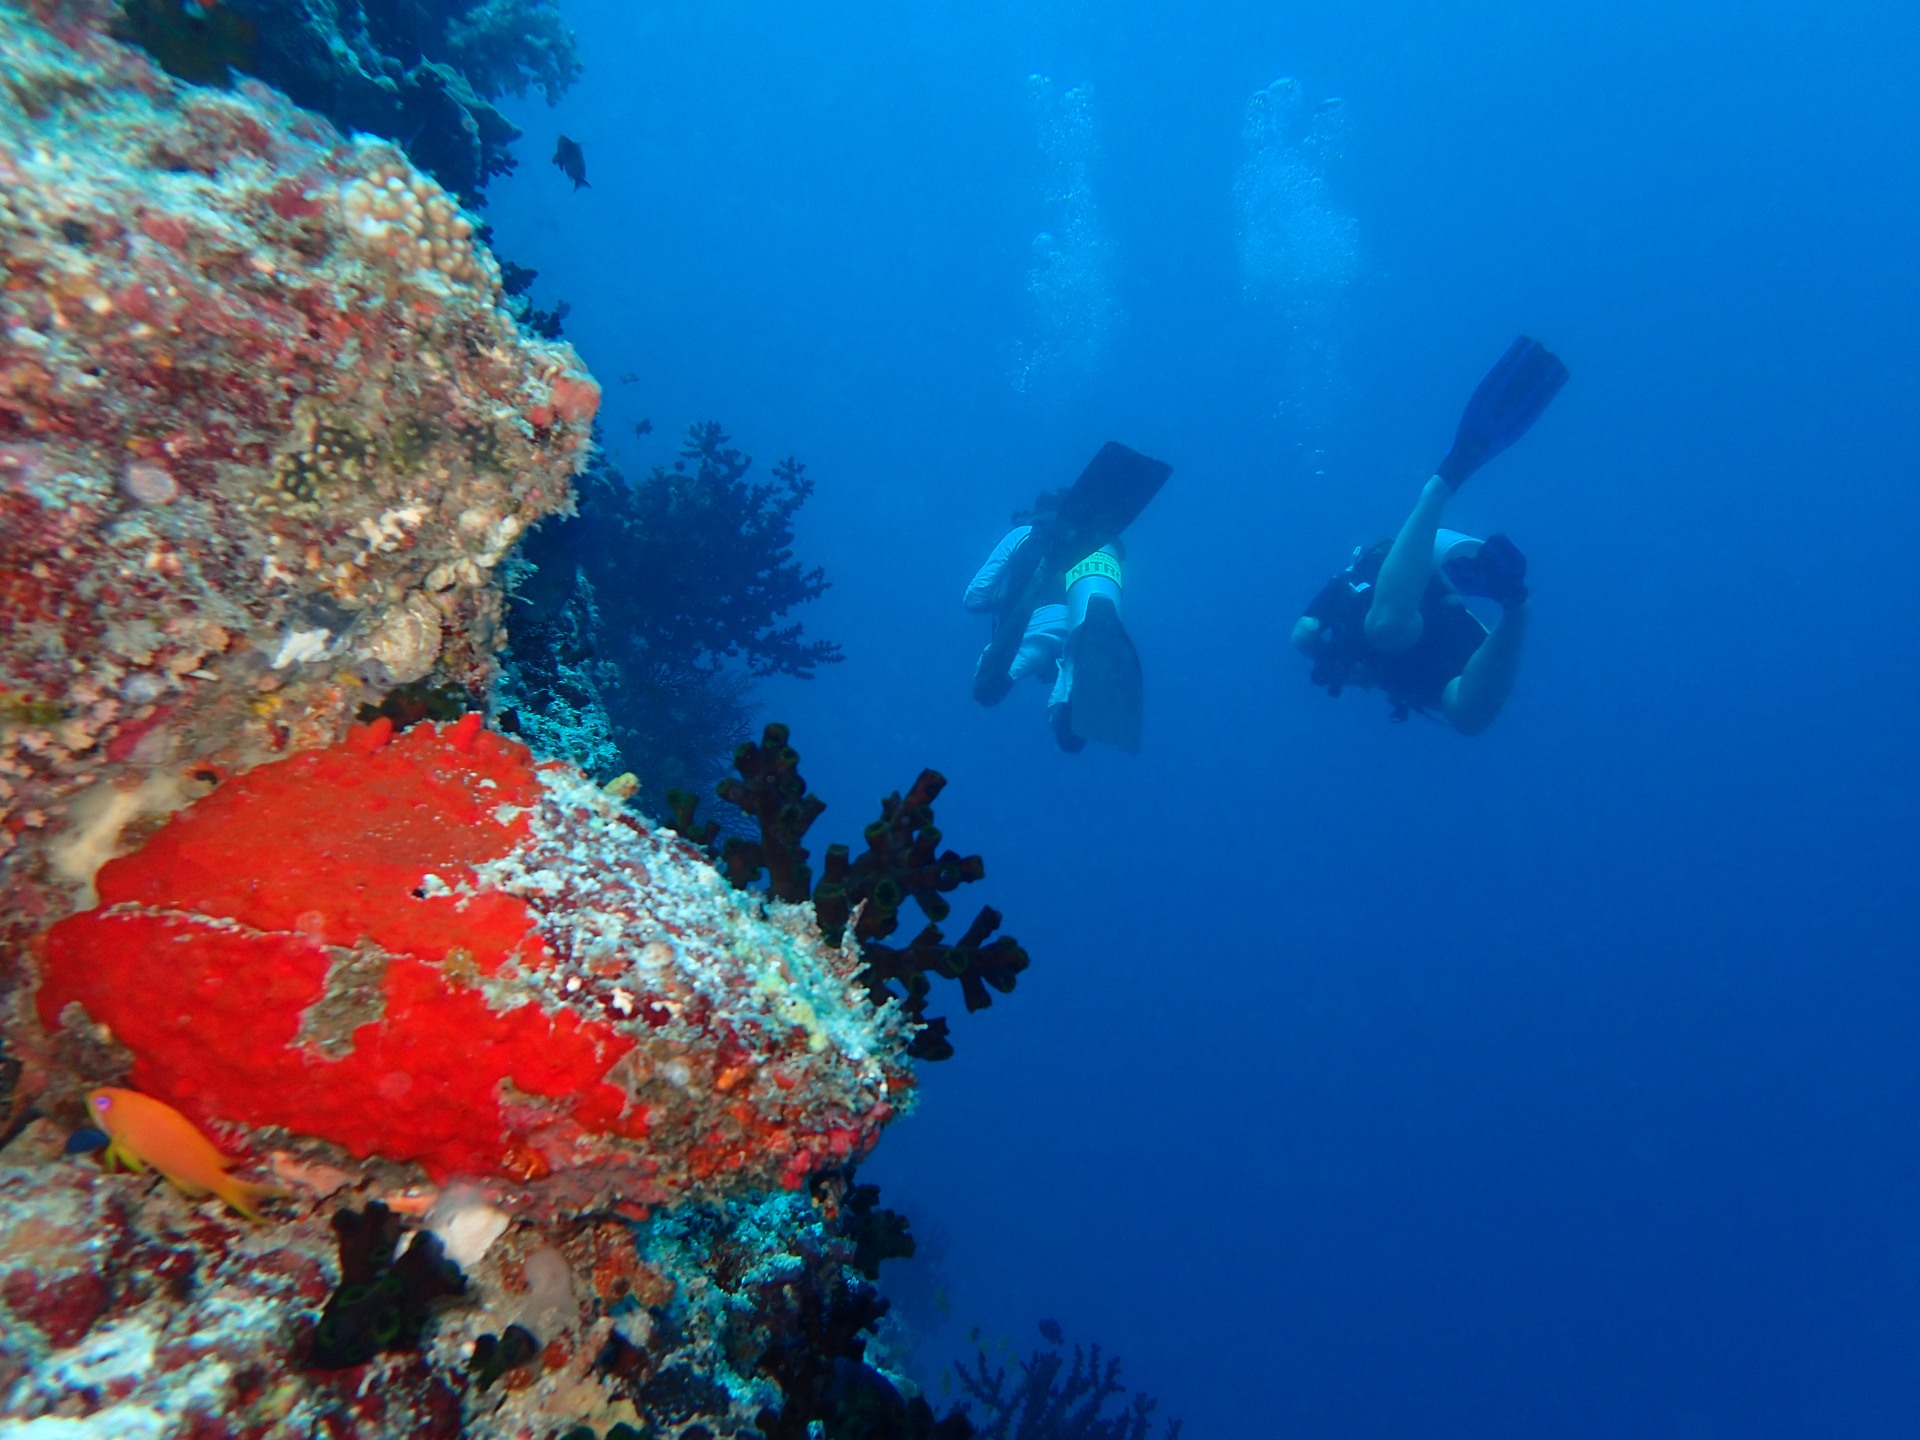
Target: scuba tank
point(1096, 577)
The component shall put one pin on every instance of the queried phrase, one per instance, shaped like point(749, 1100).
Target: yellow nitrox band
point(1099, 563)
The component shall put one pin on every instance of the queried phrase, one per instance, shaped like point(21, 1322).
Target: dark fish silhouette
point(645, 427)
point(572, 161)
point(1050, 1332)
point(628, 378)
point(202, 44)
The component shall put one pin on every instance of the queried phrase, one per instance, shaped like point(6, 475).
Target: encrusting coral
point(266, 434)
point(421, 949)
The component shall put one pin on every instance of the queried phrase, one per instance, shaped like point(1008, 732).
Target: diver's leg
point(1040, 646)
point(1393, 620)
point(1473, 698)
point(1038, 655)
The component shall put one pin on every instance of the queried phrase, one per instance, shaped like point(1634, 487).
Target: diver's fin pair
point(1111, 492)
point(1106, 699)
point(1515, 393)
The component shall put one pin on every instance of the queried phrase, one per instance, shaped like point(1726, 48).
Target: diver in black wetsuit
point(1396, 619)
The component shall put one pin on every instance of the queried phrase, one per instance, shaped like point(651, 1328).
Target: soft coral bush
point(711, 567)
point(424, 73)
point(648, 614)
point(1050, 1399)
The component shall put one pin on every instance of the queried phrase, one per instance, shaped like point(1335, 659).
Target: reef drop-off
point(268, 431)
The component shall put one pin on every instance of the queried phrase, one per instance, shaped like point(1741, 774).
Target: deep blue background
point(1368, 1081)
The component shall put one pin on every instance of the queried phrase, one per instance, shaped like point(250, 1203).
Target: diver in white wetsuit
point(1052, 586)
point(1045, 652)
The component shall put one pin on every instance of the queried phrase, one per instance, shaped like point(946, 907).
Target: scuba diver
point(1396, 618)
point(1052, 585)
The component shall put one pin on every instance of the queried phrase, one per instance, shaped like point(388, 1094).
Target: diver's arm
point(1393, 620)
point(1474, 698)
point(986, 590)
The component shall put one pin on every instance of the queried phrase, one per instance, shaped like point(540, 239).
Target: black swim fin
point(1514, 394)
point(1106, 700)
point(1109, 496)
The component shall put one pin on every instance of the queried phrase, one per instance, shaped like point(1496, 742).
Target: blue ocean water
point(1367, 1081)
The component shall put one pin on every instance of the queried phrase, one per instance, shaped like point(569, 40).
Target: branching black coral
point(494, 1355)
point(1042, 1403)
point(818, 1354)
point(974, 964)
point(878, 1234)
point(771, 791)
point(902, 861)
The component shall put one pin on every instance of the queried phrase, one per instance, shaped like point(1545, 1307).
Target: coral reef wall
point(547, 1121)
point(265, 433)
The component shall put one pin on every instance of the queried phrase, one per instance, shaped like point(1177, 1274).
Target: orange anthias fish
point(143, 1131)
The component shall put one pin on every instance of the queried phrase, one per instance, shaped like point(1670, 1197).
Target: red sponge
point(210, 954)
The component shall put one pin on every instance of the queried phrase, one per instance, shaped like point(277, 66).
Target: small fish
point(1331, 103)
point(1050, 1332)
point(572, 161)
point(143, 1131)
point(644, 427)
point(628, 378)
